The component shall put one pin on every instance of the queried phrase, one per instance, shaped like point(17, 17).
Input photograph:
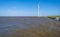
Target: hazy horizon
point(29, 7)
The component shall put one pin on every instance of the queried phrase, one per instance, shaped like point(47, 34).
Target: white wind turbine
point(38, 8)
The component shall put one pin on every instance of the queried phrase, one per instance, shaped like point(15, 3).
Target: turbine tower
point(38, 8)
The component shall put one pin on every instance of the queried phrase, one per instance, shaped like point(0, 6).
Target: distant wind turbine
point(38, 8)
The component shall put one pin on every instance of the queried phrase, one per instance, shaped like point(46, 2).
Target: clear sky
point(29, 7)
point(50, 7)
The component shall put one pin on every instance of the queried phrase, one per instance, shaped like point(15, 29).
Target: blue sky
point(29, 7)
point(50, 7)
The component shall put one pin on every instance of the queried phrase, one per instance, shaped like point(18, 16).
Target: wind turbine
point(38, 8)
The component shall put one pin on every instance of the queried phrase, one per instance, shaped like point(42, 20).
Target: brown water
point(34, 26)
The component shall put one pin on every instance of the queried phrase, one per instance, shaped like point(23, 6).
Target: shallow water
point(11, 24)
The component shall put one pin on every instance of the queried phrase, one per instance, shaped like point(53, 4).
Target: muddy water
point(9, 25)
